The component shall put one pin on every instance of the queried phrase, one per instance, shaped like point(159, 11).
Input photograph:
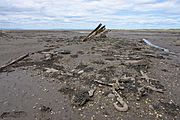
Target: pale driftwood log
point(14, 61)
point(92, 32)
point(155, 46)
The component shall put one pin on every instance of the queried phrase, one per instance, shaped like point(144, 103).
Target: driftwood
point(95, 29)
point(153, 88)
point(158, 47)
point(14, 61)
point(155, 46)
point(98, 31)
point(92, 32)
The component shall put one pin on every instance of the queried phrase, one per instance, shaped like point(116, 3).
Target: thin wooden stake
point(14, 61)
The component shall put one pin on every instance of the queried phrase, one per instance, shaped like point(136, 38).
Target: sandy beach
point(55, 81)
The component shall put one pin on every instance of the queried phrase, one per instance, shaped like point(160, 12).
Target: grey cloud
point(86, 12)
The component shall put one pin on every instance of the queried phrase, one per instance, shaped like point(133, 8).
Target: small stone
point(81, 71)
point(110, 95)
point(91, 92)
point(48, 56)
point(105, 116)
point(151, 107)
point(90, 105)
point(34, 107)
point(51, 70)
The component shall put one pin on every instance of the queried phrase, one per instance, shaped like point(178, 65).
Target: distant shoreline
point(160, 30)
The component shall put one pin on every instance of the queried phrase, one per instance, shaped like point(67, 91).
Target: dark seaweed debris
point(45, 109)
point(13, 114)
point(66, 90)
point(169, 108)
point(80, 98)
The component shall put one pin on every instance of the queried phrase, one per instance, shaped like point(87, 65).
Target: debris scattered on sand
point(135, 61)
point(80, 98)
point(102, 71)
point(116, 86)
point(169, 108)
point(45, 109)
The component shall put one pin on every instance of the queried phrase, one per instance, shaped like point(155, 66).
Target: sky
point(86, 14)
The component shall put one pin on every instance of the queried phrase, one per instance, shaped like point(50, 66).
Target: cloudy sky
point(86, 14)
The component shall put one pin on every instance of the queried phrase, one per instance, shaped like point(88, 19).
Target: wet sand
point(28, 91)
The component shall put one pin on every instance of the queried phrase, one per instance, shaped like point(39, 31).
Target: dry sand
point(29, 91)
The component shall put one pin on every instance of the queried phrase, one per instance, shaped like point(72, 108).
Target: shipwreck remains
point(99, 31)
point(111, 71)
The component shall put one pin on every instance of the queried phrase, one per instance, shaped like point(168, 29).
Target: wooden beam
point(92, 32)
point(14, 61)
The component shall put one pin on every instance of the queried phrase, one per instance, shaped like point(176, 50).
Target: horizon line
point(92, 29)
